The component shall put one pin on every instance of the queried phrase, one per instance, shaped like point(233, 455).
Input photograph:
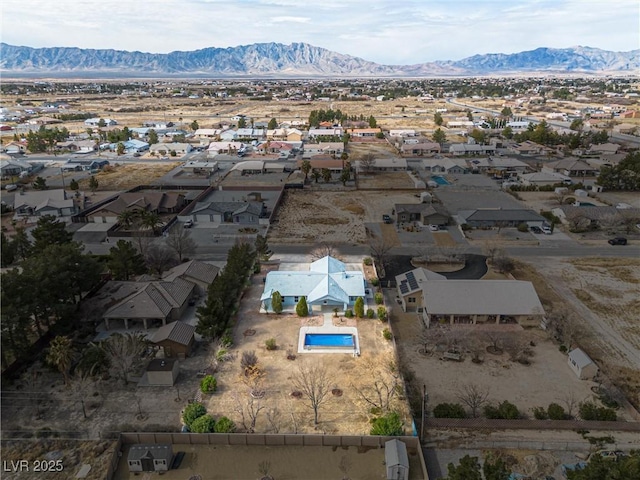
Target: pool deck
point(328, 327)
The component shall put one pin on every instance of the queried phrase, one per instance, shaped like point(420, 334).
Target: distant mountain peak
point(297, 59)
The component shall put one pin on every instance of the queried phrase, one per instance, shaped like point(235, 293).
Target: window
point(296, 299)
point(411, 300)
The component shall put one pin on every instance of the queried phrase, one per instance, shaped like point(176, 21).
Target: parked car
point(434, 228)
point(546, 229)
point(618, 241)
point(188, 224)
point(11, 187)
point(535, 229)
point(386, 219)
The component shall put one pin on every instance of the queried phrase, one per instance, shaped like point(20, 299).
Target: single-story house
point(394, 164)
point(230, 212)
point(594, 216)
point(11, 167)
point(131, 146)
point(444, 165)
point(501, 166)
point(424, 213)
point(330, 148)
point(471, 149)
point(216, 148)
point(363, 132)
point(468, 301)
point(165, 148)
point(494, 217)
point(150, 457)
point(281, 148)
point(37, 203)
point(326, 285)
point(408, 132)
point(158, 202)
point(325, 132)
point(95, 122)
point(228, 135)
point(528, 148)
point(197, 167)
point(288, 134)
point(80, 164)
point(80, 146)
point(543, 178)
point(249, 167)
point(319, 162)
point(427, 148)
point(571, 167)
point(175, 338)
point(582, 365)
point(608, 148)
point(208, 132)
point(251, 133)
point(14, 148)
point(201, 274)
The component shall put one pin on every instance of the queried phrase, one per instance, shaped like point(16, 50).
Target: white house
point(582, 365)
point(326, 284)
point(95, 122)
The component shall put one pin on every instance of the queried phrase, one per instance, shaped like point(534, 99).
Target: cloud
point(291, 19)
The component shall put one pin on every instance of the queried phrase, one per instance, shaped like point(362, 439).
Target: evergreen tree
point(358, 307)
point(273, 124)
point(50, 231)
point(437, 119)
point(125, 261)
point(302, 309)
point(73, 185)
point(276, 302)
point(468, 469)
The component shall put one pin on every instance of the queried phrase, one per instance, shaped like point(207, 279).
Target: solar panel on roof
point(403, 287)
point(412, 281)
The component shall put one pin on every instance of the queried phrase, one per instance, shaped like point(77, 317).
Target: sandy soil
point(386, 180)
point(331, 217)
point(126, 176)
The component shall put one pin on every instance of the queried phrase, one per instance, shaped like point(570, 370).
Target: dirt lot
point(386, 180)
point(126, 176)
point(337, 217)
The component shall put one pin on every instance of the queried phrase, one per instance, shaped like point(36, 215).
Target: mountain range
point(298, 60)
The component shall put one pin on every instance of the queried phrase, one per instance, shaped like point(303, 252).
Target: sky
point(384, 31)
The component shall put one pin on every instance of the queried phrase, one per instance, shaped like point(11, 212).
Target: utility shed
point(162, 372)
point(396, 460)
point(175, 338)
point(150, 457)
point(582, 364)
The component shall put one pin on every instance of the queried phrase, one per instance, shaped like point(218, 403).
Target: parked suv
point(546, 229)
point(386, 219)
point(188, 224)
point(618, 241)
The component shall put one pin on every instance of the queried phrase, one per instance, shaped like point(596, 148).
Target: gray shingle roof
point(178, 332)
point(498, 214)
point(200, 271)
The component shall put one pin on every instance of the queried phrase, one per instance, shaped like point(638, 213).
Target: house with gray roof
point(440, 300)
point(202, 274)
point(424, 213)
point(229, 212)
point(175, 338)
point(502, 217)
point(37, 203)
point(571, 167)
point(326, 285)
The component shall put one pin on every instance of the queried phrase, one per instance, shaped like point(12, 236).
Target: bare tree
point(384, 388)
point(274, 417)
point(159, 258)
point(380, 249)
point(367, 161)
point(560, 195)
point(125, 352)
point(429, 336)
point(491, 250)
point(565, 326)
point(248, 408)
point(81, 388)
point(312, 379)
point(323, 250)
point(577, 220)
point(629, 219)
point(519, 349)
point(570, 402)
point(496, 339)
point(504, 264)
point(473, 396)
point(180, 241)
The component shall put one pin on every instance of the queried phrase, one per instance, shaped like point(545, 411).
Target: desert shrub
point(590, 411)
point(506, 410)
point(209, 384)
point(378, 298)
point(382, 314)
point(556, 412)
point(540, 413)
point(386, 333)
point(370, 313)
point(368, 261)
point(191, 412)
point(523, 227)
point(375, 282)
point(225, 425)
point(226, 341)
point(387, 425)
point(203, 424)
point(465, 227)
point(449, 410)
point(270, 343)
point(563, 348)
point(221, 355)
point(358, 307)
point(94, 361)
point(248, 361)
point(348, 313)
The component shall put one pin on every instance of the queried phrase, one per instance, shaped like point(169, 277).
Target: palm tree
point(127, 218)
point(61, 355)
point(150, 220)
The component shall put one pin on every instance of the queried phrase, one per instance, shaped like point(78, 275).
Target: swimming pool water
point(328, 340)
point(440, 180)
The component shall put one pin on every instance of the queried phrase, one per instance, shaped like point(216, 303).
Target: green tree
point(449, 410)
point(600, 468)
point(470, 115)
point(40, 184)
point(73, 185)
point(306, 168)
point(468, 469)
point(102, 123)
point(494, 468)
point(60, 355)
point(556, 412)
point(372, 122)
point(358, 307)
point(8, 251)
point(153, 137)
point(479, 136)
point(124, 261)
point(93, 184)
point(21, 243)
point(262, 248)
point(315, 174)
point(191, 412)
point(128, 218)
point(194, 125)
point(50, 231)
point(273, 124)
point(276, 302)
point(577, 125)
point(387, 425)
point(437, 119)
point(326, 175)
point(302, 309)
point(624, 176)
point(439, 136)
point(150, 220)
point(507, 133)
point(506, 410)
point(208, 384)
point(506, 112)
point(225, 425)
point(242, 123)
point(345, 176)
point(120, 148)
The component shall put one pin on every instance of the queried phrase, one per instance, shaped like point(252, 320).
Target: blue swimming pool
point(440, 180)
point(328, 340)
